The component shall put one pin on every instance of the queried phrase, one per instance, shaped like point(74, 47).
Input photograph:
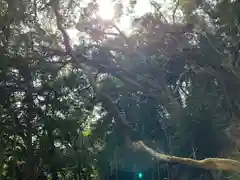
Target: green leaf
point(87, 132)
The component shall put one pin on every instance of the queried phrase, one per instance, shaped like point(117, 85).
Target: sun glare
point(106, 9)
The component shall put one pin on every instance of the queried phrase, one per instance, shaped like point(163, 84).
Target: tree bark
point(208, 163)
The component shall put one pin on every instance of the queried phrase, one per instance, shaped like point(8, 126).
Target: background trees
point(68, 110)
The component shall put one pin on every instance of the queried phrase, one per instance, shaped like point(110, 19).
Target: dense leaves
point(71, 111)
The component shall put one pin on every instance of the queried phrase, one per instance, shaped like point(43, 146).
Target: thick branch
point(66, 39)
point(208, 163)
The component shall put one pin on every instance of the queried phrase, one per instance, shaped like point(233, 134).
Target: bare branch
point(208, 163)
point(180, 80)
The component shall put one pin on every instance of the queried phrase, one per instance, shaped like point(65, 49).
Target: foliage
point(71, 111)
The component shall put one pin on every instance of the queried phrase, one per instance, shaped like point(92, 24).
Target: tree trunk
point(29, 167)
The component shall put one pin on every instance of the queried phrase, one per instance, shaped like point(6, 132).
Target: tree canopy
point(84, 98)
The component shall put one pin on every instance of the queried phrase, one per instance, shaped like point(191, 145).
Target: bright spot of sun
point(106, 9)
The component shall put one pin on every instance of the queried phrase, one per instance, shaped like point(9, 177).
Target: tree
point(164, 84)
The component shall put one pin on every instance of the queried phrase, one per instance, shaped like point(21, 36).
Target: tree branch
point(165, 94)
point(208, 163)
point(66, 39)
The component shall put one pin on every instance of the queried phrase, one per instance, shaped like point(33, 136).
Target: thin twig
point(175, 10)
point(180, 80)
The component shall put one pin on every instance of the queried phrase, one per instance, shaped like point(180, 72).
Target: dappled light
point(117, 90)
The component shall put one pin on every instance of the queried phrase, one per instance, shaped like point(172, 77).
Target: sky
point(106, 11)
